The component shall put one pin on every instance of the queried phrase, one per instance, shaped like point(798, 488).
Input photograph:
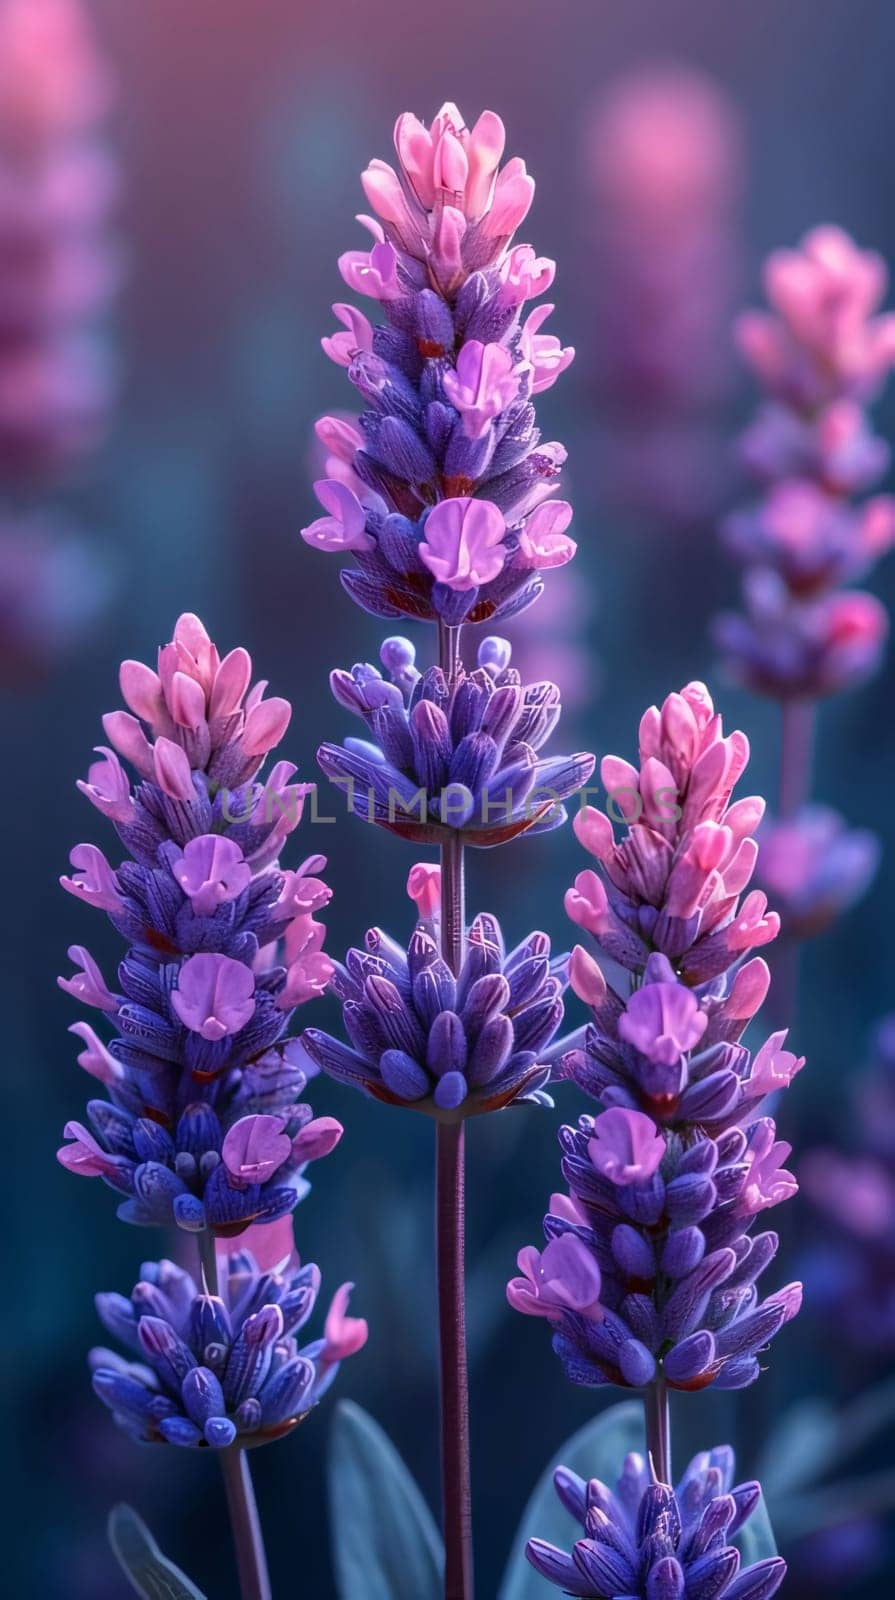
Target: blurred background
point(157, 457)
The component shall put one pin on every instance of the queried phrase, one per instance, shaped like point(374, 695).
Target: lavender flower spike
point(646, 1541)
point(821, 353)
point(442, 491)
point(650, 1277)
point(220, 1369)
point(202, 1126)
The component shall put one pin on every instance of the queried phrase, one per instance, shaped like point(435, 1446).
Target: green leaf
point(755, 1540)
point(150, 1573)
point(385, 1543)
point(800, 1448)
point(596, 1451)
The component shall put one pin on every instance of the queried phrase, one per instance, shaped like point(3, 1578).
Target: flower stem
point(245, 1525)
point(796, 760)
point(658, 1429)
point(796, 753)
point(449, 1240)
point(450, 1237)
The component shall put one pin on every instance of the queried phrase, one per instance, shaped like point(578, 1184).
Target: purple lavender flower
point(813, 867)
point(202, 1126)
point(801, 650)
point(220, 1369)
point(821, 356)
point(651, 1542)
point(670, 1271)
point(442, 488)
point(674, 883)
point(665, 1184)
point(459, 757)
point(452, 1047)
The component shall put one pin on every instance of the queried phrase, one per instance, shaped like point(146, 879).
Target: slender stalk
point(450, 1238)
point(449, 1247)
point(245, 1524)
point(658, 1429)
point(796, 755)
point(796, 760)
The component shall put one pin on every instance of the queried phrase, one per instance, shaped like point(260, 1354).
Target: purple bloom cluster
point(821, 354)
point(220, 1369)
point(441, 488)
point(452, 757)
point(646, 1541)
point(449, 1046)
point(814, 867)
point(650, 1271)
point(202, 1125)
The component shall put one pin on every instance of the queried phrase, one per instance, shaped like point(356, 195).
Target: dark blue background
point(243, 128)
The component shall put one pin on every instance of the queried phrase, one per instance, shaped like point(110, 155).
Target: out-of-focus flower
point(52, 587)
point(437, 489)
point(851, 1271)
point(801, 649)
point(220, 1369)
point(448, 1046)
point(58, 266)
point(813, 867)
point(202, 1126)
point(446, 759)
point(664, 155)
point(648, 1541)
point(663, 151)
point(821, 355)
point(822, 339)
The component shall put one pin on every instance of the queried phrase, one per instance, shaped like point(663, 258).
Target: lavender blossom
point(220, 1369)
point(452, 1047)
point(813, 867)
point(821, 355)
point(650, 1275)
point(202, 1126)
point(645, 1539)
point(443, 491)
point(452, 757)
point(674, 883)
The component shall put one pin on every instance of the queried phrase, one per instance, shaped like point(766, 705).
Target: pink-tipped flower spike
point(435, 493)
point(204, 1117)
point(668, 1175)
point(443, 494)
point(675, 881)
point(821, 353)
